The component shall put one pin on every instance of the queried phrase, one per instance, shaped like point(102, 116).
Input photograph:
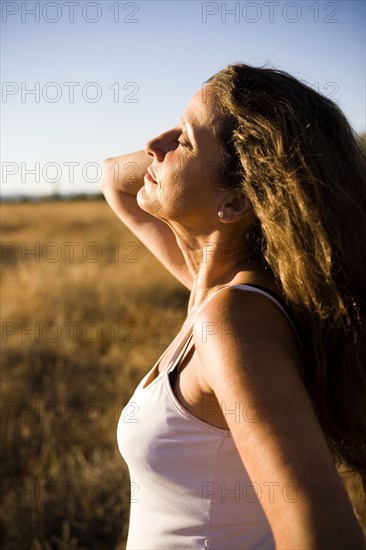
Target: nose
point(160, 145)
point(154, 149)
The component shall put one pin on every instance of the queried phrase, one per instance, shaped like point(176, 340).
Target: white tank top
point(189, 487)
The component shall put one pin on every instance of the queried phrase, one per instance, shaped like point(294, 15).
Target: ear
point(234, 207)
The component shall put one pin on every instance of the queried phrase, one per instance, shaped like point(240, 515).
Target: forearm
point(126, 172)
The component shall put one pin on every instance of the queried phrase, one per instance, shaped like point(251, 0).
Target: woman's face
point(186, 169)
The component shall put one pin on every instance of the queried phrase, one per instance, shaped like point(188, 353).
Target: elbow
point(107, 173)
point(337, 536)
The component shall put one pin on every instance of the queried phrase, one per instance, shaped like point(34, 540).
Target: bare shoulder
point(247, 321)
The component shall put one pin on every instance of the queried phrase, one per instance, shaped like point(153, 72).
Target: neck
point(214, 260)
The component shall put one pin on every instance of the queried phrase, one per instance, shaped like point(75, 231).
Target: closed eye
point(182, 143)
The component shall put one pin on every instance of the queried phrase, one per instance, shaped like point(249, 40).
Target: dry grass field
point(86, 311)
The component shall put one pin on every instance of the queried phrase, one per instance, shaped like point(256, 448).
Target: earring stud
point(221, 213)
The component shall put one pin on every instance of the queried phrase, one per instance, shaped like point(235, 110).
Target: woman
point(255, 202)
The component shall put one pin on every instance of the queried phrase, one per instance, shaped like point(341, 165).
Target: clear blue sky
point(154, 55)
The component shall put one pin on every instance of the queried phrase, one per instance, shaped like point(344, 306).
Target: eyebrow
point(186, 123)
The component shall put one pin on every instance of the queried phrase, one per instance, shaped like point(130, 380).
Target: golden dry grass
point(98, 326)
point(78, 333)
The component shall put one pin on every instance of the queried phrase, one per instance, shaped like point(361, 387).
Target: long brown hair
point(296, 157)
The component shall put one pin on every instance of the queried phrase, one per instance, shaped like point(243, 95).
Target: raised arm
point(122, 177)
point(274, 426)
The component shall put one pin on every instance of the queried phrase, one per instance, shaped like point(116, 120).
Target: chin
point(145, 203)
point(141, 198)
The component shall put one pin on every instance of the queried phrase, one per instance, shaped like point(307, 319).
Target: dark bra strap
point(173, 373)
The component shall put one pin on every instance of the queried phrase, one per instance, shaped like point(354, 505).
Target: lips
point(150, 176)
